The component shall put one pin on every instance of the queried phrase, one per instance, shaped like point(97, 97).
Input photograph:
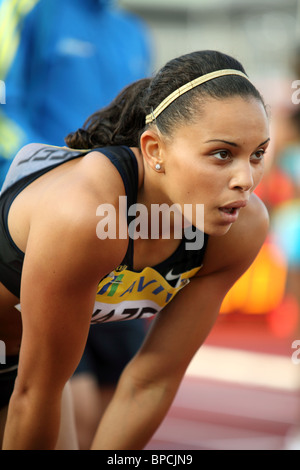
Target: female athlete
point(75, 251)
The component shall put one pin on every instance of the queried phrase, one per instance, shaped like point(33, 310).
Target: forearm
point(133, 415)
point(32, 423)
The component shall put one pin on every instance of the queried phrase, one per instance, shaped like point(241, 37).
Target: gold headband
point(188, 86)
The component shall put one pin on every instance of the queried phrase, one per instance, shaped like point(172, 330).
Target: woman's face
point(218, 161)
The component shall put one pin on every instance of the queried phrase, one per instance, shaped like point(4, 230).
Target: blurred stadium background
point(242, 390)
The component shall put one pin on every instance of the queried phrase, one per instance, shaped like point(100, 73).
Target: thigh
point(10, 321)
point(3, 416)
point(88, 407)
point(67, 438)
point(8, 374)
point(112, 346)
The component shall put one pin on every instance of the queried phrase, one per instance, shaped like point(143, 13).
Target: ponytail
point(120, 123)
point(123, 121)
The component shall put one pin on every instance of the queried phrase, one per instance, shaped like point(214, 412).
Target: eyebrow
point(233, 144)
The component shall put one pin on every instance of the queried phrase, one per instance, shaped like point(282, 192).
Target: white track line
point(246, 368)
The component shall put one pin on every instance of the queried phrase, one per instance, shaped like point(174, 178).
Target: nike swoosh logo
point(171, 277)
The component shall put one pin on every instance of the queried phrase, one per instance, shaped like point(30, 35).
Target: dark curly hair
point(123, 121)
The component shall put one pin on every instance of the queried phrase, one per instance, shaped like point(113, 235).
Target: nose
point(242, 177)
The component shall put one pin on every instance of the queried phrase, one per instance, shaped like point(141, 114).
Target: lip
point(230, 218)
point(235, 205)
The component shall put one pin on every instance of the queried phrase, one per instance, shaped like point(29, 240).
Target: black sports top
point(124, 293)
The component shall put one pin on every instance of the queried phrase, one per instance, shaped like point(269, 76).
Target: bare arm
point(150, 382)
point(63, 263)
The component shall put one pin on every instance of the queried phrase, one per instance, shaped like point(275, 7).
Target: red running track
point(241, 392)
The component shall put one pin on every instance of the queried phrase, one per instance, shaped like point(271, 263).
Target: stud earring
point(157, 166)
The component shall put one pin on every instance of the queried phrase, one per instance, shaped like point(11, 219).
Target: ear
point(151, 148)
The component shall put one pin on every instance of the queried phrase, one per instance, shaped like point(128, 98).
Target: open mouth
point(233, 208)
point(228, 210)
point(229, 214)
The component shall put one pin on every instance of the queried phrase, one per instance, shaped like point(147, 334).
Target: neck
point(164, 219)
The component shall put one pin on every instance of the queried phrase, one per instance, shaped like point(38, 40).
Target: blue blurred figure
point(59, 63)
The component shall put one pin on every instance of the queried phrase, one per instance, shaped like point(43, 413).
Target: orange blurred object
point(261, 288)
point(276, 188)
point(283, 320)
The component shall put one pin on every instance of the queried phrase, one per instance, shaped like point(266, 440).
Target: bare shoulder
point(98, 175)
point(238, 248)
point(67, 215)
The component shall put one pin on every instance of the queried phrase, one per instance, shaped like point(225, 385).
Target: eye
point(258, 156)
point(222, 155)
